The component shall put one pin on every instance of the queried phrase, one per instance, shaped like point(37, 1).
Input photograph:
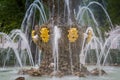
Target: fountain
point(63, 40)
point(11, 42)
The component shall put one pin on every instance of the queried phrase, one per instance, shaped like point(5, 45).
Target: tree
point(113, 9)
point(11, 14)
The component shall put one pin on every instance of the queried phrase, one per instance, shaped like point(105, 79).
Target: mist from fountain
point(110, 41)
point(17, 42)
point(85, 9)
point(29, 18)
point(80, 19)
point(29, 21)
point(67, 2)
point(89, 45)
point(102, 49)
point(11, 46)
point(57, 35)
point(97, 3)
point(82, 10)
point(18, 33)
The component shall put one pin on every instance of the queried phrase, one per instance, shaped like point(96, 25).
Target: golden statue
point(34, 36)
point(89, 36)
point(35, 33)
point(73, 34)
point(44, 34)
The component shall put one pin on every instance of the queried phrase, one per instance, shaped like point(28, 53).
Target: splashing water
point(11, 45)
point(57, 35)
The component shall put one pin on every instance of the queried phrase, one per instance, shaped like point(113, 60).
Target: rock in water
point(32, 72)
point(97, 72)
point(80, 74)
point(20, 78)
point(35, 72)
point(57, 74)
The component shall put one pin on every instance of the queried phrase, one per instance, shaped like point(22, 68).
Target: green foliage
point(11, 15)
point(114, 10)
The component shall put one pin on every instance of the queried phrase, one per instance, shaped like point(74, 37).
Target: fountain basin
point(113, 74)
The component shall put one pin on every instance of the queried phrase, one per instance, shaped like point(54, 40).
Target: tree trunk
point(68, 52)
